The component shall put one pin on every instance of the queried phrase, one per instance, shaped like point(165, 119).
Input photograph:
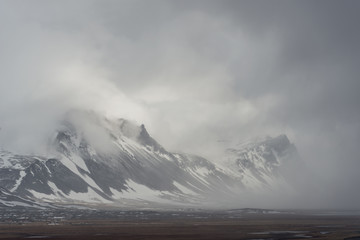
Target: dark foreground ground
point(234, 224)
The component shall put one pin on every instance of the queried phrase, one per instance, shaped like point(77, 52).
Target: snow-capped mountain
point(95, 160)
point(263, 162)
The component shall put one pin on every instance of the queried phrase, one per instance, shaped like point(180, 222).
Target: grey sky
point(194, 72)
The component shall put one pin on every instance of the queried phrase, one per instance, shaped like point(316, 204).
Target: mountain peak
point(144, 132)
point(145, 139)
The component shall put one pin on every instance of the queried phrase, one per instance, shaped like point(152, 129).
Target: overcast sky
point(195, 72)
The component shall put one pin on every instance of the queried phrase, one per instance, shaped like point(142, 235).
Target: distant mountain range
point(96, 161)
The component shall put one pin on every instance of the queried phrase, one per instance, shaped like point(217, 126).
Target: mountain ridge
point(95, 160)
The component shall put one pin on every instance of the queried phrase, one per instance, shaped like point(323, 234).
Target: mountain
point(94, 160)
point(264, 162)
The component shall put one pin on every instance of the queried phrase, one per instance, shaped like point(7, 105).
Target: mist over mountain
point(95, 160)
point(202, 76)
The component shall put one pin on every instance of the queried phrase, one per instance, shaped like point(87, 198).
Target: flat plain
point(239, 224)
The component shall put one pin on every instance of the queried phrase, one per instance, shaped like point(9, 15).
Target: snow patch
point(72, 167)
point(78, 161)
point(203, 171)
point(90, 197)
point(140, 192)
point(18, 181)
point(184, 189)
point(43, 196)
